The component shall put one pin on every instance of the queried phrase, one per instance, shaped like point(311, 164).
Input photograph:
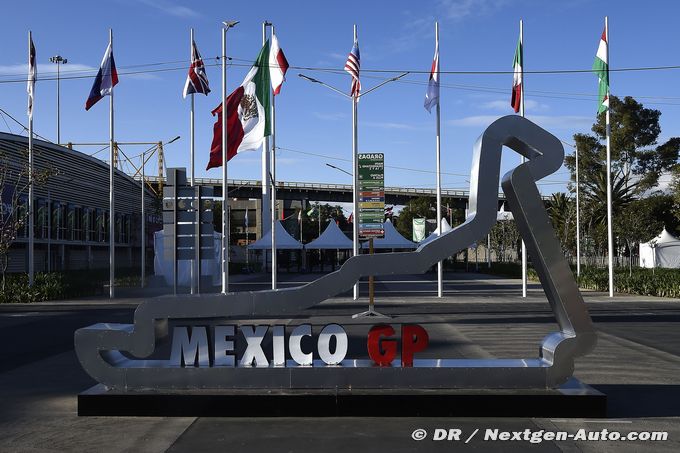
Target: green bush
point(646, 282)
point(63, 285)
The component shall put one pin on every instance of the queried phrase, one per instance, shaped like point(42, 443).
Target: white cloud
point(170, 8)
point(504, 105)
point(549, 122)
point(389, 125)
point(460, 9)
point(330, 116)
point(46, 70)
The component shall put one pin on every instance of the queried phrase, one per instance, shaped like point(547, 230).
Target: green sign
point(371, 193)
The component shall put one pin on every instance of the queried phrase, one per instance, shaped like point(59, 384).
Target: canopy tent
point(284, 241)
point(662, 251)
point(392, 239)
point(331, 238)
point(502, 214)
point(162, 264)
point(445, 228)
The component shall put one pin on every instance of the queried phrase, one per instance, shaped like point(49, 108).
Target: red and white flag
point(278, 65)
point(352, 66)
point(197, 80)
point(517, 78)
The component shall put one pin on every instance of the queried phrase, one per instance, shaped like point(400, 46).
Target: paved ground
point(637, 363)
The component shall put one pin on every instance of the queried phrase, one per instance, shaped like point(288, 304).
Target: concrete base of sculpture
point(573, 399)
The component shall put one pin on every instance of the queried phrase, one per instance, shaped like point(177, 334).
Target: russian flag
point(106, 79)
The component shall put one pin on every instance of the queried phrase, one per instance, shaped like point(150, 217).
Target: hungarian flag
point(32, 76)
point(517, 78)
point(248, 113)
point(197, 80)
point(601, 68)
point(278, 65)
point(107, 78)
point(432, 94)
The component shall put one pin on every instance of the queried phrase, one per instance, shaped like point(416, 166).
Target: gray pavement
point(636, 362)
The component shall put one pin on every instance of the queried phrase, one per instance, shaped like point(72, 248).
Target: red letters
point(413, 339)
point(382, 351)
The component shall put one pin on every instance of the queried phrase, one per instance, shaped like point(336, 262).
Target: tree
point(504, 237)
point(421, 207)
point(634, 147)
point(643, 221)
point(637, 163)
point(562, 212)
point(14, 185)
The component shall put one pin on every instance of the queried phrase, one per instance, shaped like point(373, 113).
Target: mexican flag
point(248, 113)
point(601, 68)
point(517, 82)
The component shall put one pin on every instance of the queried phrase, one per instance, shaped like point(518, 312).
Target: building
point(71, 209)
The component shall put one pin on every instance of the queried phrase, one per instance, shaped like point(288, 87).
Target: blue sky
point(397, 35)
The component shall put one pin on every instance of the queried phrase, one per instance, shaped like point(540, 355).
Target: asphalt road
point(636, 363)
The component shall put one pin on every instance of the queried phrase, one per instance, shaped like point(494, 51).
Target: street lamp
point(338, 168)
point(58, 60)
point(354, 99)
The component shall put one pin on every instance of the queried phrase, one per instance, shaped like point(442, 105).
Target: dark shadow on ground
point(641, 400)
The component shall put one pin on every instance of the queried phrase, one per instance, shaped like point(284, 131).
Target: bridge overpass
point(330, 193)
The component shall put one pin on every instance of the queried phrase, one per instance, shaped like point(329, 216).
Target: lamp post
point(226, 25)
point(58, 60)
point(355, 204)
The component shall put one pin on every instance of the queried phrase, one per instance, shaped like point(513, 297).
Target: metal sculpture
point(117, 355)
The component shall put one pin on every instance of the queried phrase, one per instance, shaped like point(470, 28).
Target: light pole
point(355, 204)
point(578, 223)
point(226, 25)
point(58, 60)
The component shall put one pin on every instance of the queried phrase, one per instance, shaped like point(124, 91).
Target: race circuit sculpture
point(122, 356)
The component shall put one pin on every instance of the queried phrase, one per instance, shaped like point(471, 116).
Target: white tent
point(662, 251)
point(284, 241)
point(392, 239)
point(502, 214)
point(331, 238)
point(445, 227)
point(163, 266)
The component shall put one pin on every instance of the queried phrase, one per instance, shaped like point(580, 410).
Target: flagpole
point(225, 195)
point(440, 264)
point(355, 206)
point(524, 249)
point(272, 176)
point(112, 218)
point(191, 153)
point(31, 242)
point(610, 238)
point(578, 223)
point(266, 202)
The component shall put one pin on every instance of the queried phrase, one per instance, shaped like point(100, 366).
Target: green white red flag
point(248, 113)
point(601, 68)
point(517, 77)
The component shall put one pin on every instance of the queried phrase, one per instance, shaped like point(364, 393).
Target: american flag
point(352, 67)
point(197, 80)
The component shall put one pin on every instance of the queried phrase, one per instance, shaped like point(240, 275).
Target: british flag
point(197, 80)
point(352, 67)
